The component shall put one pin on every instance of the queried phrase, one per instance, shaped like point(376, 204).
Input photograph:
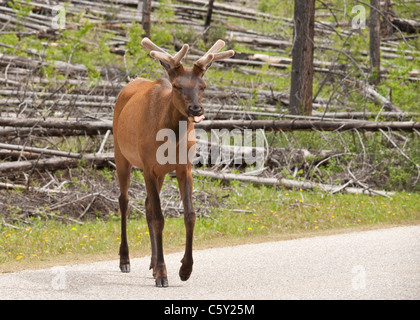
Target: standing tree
point(302, 58)
point(208, 18)
point(146, 20)
point(209, 14)
point(375, 41)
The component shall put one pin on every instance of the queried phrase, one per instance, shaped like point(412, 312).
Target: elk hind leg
point(123, 172)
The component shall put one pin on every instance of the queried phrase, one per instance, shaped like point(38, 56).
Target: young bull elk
point(142, 109)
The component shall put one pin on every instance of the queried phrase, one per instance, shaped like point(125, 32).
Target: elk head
point(187, 83)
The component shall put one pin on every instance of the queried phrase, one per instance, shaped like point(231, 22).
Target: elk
point(142, 109)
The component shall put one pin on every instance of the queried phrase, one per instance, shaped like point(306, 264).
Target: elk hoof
point(161, 282)
point(185, 271)
point(125, 268)
point(184, 277)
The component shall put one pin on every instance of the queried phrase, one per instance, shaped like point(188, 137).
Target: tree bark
point(386, 27)
point(209, 14)
point(147, 9)
point(302, 55)
point(375, 41)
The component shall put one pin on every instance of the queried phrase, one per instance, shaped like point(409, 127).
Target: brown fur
point(142, 109)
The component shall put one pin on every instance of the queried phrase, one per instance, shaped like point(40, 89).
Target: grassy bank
point(245, 214)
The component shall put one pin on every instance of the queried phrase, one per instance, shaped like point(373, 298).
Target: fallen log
point(34, 102)
point(289, 184)
point(386, 103)
point(13, 186)
point(55, 163)
point(293, 125)
point(24, 133)
point(269, 111)
point(285, 125)
point(242, 152)
point(364, 115)
point(11, 155)
point(67, 96)
point(40, 151)
point(406, 25)
point(49, 123)
point(32, 63)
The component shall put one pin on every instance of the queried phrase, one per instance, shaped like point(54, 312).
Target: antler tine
point(160, 54)
point(213, 55)
point(147, 43)
point(223, 55)
point(163, 56)
point(181, 54)
point(217, 46)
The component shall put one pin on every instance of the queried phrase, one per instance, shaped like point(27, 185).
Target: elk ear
point(168, 68)
point(208, 66)
point(201, 69)
point(165, 65)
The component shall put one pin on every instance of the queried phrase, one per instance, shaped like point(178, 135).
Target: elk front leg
point(185, 183)
point(153, 185)
point(149, 218)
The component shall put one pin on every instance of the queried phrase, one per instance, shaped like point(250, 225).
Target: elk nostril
point(195, 109)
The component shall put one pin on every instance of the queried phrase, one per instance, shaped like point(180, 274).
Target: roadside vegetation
point(240, 213)
point(41, 229)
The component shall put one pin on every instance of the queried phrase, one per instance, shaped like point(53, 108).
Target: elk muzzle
point(197, 112)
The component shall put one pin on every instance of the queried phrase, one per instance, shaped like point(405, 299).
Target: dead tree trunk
point(147, 9)
point(375, 41)
point(208, 19)
point(54, 163)
point(290, 184)
point(406, 25)
point(93, 127)
point(386, 27)
point(299, 125)
point(209, 14)
point(302, 55)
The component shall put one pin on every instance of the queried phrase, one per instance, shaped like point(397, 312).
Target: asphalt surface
point(378, 264)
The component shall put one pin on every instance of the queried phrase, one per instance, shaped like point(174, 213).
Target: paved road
point(379, 264)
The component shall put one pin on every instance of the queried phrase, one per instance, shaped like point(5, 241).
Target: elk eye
point(176, 87)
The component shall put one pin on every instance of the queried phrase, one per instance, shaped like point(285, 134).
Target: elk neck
point(174, 116)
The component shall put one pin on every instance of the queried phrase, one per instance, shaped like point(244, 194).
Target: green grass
point(246, 214)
